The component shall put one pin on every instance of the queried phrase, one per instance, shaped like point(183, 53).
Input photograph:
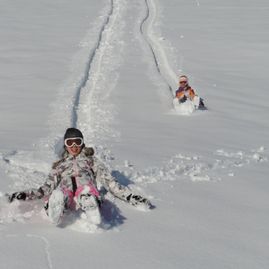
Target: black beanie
point(73, 132)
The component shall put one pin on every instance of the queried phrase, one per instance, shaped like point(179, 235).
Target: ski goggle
point(183, 81)
point(76, 141)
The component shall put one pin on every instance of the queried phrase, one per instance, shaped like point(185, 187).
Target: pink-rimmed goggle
point(75, 141)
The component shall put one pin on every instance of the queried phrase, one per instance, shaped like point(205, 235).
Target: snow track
point(46, 248)
point(158, 54)
point(95, 110)
point(91, 59)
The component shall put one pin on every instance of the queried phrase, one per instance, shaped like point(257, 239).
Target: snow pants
point(73, 200)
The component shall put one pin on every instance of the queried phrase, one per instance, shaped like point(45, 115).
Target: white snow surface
point(110, 68)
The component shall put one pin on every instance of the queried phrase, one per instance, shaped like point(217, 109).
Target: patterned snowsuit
point(71, 174)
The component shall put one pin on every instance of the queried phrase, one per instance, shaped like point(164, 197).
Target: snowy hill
point(110, 68)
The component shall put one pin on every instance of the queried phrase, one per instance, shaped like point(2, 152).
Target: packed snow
point(110, 68)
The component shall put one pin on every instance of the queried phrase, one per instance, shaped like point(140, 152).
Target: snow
point(110, 68)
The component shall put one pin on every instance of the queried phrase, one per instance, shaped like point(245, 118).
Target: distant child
point(185, 92)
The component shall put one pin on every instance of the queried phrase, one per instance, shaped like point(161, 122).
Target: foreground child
point(75, 182)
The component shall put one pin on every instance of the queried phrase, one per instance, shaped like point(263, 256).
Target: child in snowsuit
point(185, 92)
point(75, 181)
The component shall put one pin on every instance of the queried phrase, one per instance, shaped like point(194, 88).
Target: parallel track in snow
point(158, 54)
point(88, 67)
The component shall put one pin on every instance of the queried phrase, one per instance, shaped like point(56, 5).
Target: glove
point(16, 195)
point(183, 99)
point(138, 200)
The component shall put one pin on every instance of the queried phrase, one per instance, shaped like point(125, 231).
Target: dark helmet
point(73, 132)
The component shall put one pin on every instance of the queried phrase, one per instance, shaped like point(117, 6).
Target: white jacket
point(83, 169)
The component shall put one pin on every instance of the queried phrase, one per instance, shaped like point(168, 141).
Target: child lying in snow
point(75, 180)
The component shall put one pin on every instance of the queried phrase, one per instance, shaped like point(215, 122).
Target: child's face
point(74, 150)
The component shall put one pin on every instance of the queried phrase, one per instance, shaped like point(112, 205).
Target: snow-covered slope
point(110, 68)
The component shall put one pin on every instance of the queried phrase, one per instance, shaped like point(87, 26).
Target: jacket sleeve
point(104, 177)
point(179, 93)
point(46, 189)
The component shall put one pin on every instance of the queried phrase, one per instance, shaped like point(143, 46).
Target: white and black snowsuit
point(78, 181)
point(72, 173)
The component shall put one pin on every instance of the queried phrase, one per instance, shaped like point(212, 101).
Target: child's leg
point(86, 198)
point(59, 200)
point(196, 101)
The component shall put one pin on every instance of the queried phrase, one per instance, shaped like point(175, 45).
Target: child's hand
point(183, 99)
point(16, 195)
point(138, 200)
